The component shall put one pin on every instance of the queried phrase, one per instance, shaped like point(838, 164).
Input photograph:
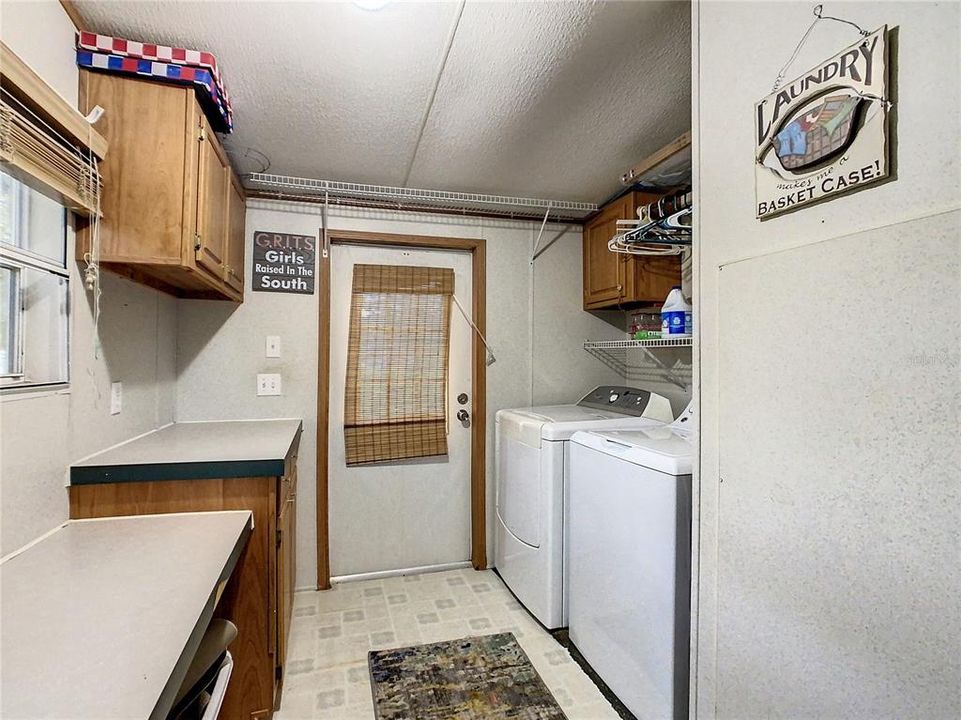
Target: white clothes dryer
point(532, 456)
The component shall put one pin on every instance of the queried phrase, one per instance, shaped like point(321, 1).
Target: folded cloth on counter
point(201, 79)
point(161, 53)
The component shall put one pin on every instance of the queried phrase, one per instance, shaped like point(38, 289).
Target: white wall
point(41, 433)
point(40, 32)
point(828, 564)
point(221, 350)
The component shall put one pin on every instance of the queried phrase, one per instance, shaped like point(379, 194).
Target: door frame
point(478, 458)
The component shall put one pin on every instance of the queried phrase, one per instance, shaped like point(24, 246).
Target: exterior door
point(400, 514)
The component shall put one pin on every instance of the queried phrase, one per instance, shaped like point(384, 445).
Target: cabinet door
point(236, 235)
point(648, 279)
point(143, 173)
point(285, 580)
point(212, 188)
point(651, 278)
point(604, 271)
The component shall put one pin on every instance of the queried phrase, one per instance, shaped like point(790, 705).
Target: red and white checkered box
point(152, 51)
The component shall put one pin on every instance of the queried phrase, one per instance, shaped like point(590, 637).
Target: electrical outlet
point(272, 346)
point(268, 384)
point(116, 398)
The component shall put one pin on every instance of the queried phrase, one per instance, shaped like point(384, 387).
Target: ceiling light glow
point(371, 5)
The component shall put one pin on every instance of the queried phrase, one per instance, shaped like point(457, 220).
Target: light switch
point(116, 398)
point(273, 346)
point(268, 384)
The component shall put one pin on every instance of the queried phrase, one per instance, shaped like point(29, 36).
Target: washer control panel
point(626, 400)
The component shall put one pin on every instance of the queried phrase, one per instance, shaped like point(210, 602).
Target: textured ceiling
point(536, 99)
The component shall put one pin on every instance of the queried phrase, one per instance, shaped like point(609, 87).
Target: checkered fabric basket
point(151, 51)
point(165, 63)
point(218, 114)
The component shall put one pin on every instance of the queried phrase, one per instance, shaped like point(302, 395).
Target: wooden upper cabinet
point(167, 190)
point(613, 280)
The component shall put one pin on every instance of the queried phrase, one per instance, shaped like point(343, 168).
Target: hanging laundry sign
point(284, 263)
point(826, 132)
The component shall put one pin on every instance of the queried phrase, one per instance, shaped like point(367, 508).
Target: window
point(34, 285)
point(395, 404)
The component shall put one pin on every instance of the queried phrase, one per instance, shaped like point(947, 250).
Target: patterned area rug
point(478, 678)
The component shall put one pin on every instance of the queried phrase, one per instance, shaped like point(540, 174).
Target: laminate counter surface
point(101, 618)
point(195, 450)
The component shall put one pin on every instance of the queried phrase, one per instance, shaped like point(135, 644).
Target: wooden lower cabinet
point(258, 599)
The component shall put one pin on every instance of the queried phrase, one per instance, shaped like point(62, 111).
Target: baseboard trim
point(380, 575)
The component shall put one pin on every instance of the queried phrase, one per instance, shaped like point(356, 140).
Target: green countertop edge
point(151, 472)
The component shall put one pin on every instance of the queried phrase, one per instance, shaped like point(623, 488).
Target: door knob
point(463, 416)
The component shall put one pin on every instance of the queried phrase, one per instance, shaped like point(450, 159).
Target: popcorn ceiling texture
point(542, 99)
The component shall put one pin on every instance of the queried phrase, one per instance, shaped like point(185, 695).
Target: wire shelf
point(629, 344)
point(420, 199)
point(672, 367)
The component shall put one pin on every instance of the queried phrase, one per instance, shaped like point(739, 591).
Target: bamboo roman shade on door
point(395, 404)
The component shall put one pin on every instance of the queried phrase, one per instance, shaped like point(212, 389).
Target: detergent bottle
point(676, 315)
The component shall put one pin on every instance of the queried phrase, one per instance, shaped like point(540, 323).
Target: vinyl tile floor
point(333, 630)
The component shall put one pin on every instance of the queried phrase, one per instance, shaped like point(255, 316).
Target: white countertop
point(187, 450)
point(100, 618)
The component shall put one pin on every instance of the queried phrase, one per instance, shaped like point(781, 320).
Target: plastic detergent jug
point(676, 315)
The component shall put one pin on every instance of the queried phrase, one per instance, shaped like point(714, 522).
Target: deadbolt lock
point(462, 399)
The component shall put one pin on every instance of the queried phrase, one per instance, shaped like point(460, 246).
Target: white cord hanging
point(92, 257)
point(490, 353)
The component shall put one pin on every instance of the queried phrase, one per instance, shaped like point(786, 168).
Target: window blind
point(395, 404)
point(35, 154)
point(44, 142)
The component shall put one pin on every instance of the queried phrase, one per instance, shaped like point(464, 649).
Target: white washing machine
point(630, 562)
point(532, 469)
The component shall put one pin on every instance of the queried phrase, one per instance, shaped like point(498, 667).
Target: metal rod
point(537, 242)
point(553, 240)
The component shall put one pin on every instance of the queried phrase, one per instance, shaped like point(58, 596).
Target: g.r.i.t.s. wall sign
point(283, 263)
point(826, 132)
